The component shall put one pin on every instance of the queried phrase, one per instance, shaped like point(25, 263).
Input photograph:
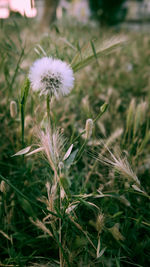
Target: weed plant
point(93, 210)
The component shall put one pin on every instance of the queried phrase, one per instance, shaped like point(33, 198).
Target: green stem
point(48, 108)
point(22, 124)
point(60, 241)
point(17, 68)
point(48, 113)
point(81, 151)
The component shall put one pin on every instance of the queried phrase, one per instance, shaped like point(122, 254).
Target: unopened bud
point(61, 165)
point(88, 128)
point(104, 107)
point(13, 109)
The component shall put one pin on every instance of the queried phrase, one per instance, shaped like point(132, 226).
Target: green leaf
point(26, 206)
point(71, 158)
point(93, 48)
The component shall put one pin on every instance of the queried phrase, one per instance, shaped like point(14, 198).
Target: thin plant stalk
point(56, 179)
point(22, 124)
point(17, 68)
point(60, 240)
point(48, 112)
point(102, 111)
point(81, 151)
point(60, 222)
point(48, 108)
point(24, 95)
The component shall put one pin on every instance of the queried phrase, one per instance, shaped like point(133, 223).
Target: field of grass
point(97, 213)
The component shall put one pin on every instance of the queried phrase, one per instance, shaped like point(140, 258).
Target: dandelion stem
point(48, 108)
point(48, 112)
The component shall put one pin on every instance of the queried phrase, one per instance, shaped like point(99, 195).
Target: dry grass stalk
point(41, 226)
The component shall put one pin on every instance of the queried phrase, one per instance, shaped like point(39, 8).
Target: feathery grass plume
point(88, 56)
point(120, 164)
point(51, 192)
point(130, 115)
point(115, 135)
point(88, 128)
point(13, 109)
point(53, 146)
point(139, 116)
point(51, 76)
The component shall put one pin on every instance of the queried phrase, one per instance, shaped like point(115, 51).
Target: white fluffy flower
point(51, 77)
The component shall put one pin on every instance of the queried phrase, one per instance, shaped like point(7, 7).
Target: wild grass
point(87, 204)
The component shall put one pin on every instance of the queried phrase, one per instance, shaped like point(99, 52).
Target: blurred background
point(130, 13)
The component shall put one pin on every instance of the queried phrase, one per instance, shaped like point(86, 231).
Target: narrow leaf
point(22, 151)
point(35, 151)
point(68, 152)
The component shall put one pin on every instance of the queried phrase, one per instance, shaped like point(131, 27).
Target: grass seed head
point(120, 164)
point(53, 145)
point(13, 109)
point(88, 128)
point(100, 222)
point(116, 233)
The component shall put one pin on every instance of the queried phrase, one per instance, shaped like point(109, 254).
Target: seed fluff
point(51, 76)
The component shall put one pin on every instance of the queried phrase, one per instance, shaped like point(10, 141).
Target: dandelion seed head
point(51, 77)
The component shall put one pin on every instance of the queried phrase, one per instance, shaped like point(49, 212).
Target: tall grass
point(86, 203)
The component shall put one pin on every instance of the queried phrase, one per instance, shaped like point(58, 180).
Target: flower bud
point(104, 107)
point(88, 128)
point(13, 109)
